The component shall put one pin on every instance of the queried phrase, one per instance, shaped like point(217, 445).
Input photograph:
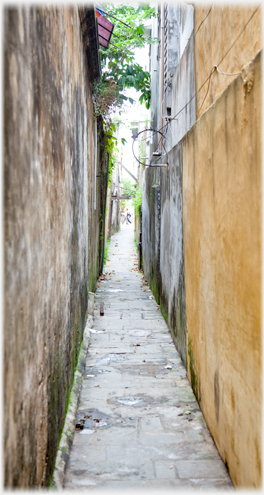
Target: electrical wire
point(111, 15)
point(163, 137)
point(203, 20)
point(118, 20)
point(146, 130)
point(200, 25)
point(215, 68)
point(198, 91)
point(212, 71)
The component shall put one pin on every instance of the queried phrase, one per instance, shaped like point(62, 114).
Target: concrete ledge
point(70, 420)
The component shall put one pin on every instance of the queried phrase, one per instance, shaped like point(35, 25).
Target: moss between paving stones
point(69, 424)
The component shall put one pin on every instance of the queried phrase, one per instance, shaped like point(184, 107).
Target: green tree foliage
point(129, 187)
point(119, 68)
point(137, 200)
point(118, 60)
point(135, 191)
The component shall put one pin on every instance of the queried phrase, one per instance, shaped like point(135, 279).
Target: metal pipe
point(107, 174)
point(130, 173)
point(162, 21)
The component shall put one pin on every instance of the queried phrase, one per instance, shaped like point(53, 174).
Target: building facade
point(54, 183)
point(201, 215)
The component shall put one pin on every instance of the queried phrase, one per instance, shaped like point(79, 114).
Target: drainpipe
point(95, 160)
point(108, 156)
point(161, 88)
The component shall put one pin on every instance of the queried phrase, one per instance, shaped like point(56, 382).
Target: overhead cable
point(209, 77)
point(203, 21)
point(215, 67)
point(111, 15)
point(114, 17)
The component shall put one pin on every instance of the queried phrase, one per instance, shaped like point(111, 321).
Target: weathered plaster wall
point(162, 239)
point(154, 69)
point(179, 74)
point(219, 158)
point(115, 225)
point(222, 251)
point(151, 230)
point(171, 250)
point(214, 38)
point(52, 246)
point(178, 95)
point(113, 217)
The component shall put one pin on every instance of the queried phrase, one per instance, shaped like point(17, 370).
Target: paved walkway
point(142, 427)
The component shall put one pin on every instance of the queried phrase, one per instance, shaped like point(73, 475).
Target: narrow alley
point(138, 422)
point(126, 370)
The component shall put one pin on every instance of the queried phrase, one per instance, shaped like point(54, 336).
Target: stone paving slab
point(139, 425)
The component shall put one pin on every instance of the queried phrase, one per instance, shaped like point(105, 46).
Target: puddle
point(130, 401)
point(102, 371)
point(115, 290)
point(143, 400)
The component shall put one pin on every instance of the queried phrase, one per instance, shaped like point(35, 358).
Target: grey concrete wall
point(162, 229)
point(179, 74)
point(151, 231)
point(155, 81)
point(171, 250)
point(162, 239)
point(52, 246)
point(186, 25)
point(116, 215)
point(172, 27)
point(181, 86)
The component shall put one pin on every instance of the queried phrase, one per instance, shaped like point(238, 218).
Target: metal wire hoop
point(150, 163)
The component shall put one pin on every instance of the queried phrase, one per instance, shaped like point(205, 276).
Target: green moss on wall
point(164, 313)
point(194, 376)
point(154, 288)
point(61, 387)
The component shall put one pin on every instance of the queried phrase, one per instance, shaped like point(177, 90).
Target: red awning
point(105, 29)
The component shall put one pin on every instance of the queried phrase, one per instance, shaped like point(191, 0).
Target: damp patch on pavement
point(137, 401)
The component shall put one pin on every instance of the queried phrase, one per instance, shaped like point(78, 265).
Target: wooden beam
point(121, 197)
point(126, 169)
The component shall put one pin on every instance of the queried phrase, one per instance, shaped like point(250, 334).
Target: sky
point(132, 113)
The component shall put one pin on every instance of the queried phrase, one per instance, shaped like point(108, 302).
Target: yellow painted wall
point(214, 38)
point(222, 250)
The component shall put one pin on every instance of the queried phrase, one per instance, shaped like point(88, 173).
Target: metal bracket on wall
point(158, 153)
